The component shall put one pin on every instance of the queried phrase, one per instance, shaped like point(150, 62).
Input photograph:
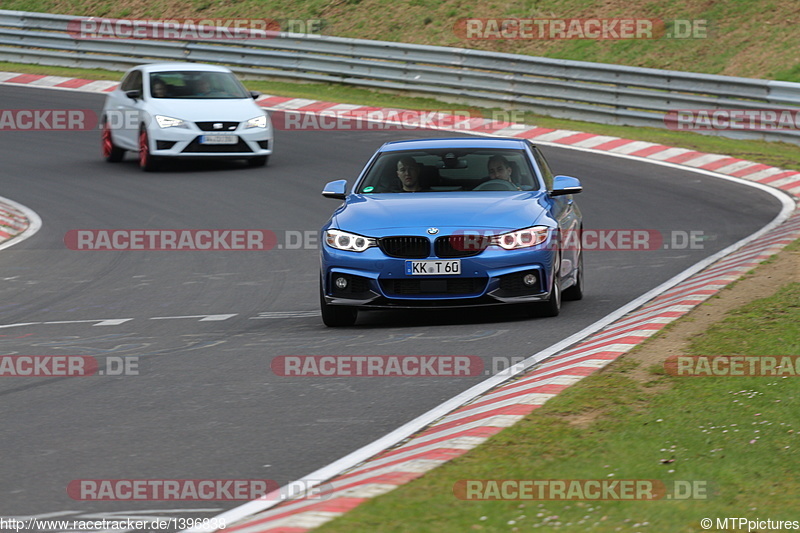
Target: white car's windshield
point(450, 170)
point(196, 85)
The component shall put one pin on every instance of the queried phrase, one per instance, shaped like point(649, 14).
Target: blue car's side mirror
point(335, 189)
point(566, 185)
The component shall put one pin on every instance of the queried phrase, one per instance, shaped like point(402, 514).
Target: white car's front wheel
point(147, 161)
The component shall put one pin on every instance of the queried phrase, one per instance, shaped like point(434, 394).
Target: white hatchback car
point(184, 110)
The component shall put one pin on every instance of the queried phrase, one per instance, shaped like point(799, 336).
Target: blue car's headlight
point(257, 122)
point(169, 122)
point(343, 240)
point(522, 238)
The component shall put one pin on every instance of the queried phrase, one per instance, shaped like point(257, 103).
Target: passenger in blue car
point(408, 170)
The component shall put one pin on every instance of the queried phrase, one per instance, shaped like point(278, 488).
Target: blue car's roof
point(457, 142)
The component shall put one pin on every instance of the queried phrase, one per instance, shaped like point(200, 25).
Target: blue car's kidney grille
point(400, 287)
point(405, 247)
point(460, 245)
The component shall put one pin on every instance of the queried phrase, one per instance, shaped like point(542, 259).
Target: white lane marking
point(19, 324)
point(203, 318)
point(285, 314)
point(212, 318)
point(113, 322)
point(100, 321)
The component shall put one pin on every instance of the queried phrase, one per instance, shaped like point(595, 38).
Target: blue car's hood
point(411, 213)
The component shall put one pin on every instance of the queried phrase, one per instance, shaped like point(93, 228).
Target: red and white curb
point(17, 223)
point(12, 221)
point(478, 413)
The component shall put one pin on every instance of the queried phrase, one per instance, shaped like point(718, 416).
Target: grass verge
point(750, 38)
point(737, 436)
point(783, 155)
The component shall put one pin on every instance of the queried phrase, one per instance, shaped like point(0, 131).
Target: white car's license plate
point(433, 268)
point(219, 139)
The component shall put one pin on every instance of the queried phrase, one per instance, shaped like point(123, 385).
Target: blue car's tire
point(552, 306)
point(336, 316)
point(575, 292)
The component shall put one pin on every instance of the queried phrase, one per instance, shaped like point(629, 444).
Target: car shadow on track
point(446, 317)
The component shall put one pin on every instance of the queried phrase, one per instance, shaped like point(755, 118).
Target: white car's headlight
point(257, 122)
point(522, 238)
point(343, 240)
point(169, 122)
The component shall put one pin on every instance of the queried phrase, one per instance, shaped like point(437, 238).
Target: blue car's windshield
point(450, 170)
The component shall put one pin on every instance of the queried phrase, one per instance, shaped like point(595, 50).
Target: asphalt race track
point(204, 326)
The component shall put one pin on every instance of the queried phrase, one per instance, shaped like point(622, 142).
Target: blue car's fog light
point(349, 286)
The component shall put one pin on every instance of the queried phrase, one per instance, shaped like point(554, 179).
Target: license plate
point(219, 139)
point(433, 268)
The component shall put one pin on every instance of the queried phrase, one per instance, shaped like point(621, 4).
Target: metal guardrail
point(595, 92)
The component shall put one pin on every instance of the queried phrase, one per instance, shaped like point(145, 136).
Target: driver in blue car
point(500, 169)
point(408, 170)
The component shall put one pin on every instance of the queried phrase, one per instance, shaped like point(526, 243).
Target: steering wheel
point(496, 185)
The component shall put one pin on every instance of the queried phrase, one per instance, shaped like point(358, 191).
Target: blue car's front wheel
point(575, 292)
point(335, 316)
point(552, 306)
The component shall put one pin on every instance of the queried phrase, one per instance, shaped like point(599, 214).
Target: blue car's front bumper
point(495, 276)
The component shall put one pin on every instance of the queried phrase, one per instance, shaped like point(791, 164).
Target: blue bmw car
point(451, 223)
